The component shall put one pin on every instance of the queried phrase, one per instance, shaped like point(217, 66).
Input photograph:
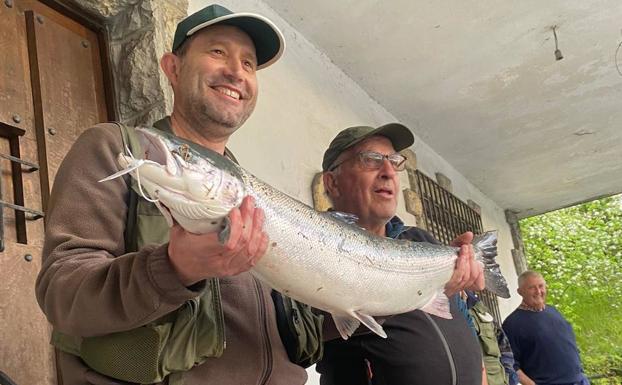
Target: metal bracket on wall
point(12, 134)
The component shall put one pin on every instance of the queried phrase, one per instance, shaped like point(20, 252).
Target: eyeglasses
point(372, 160)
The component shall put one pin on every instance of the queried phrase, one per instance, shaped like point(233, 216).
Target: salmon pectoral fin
point(371, 323)
point(347, 324)
point(438, 306)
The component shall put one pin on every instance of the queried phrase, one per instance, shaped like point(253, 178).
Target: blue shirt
point(544, 346)
point(395, 228)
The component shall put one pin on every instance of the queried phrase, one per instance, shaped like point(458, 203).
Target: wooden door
point(51, 89)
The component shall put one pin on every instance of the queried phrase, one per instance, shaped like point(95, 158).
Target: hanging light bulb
point(558, 53)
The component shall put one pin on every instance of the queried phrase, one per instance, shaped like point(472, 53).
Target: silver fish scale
point(338, 267)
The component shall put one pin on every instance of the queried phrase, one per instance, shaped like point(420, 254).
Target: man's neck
point(376, 228)
point(183, 129)
point(537, 308)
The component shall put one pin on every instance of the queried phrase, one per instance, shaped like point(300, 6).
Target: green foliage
point(578, 250)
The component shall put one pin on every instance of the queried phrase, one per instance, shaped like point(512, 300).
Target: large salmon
point(318, 258)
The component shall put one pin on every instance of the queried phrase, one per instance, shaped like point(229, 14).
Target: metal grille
point(446, 217)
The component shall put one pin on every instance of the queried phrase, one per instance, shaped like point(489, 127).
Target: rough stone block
point(132, 18)
point(474, 206)
point(413, 203)
point(420, 222)
point(106, 8)
point(137, 74)
point(444, 181)
point(412, 179)
point(140, 31)
point(321, 201)
point(520, 262)
point(411, 159)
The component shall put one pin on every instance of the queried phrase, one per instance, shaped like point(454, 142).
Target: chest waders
point(486, 333)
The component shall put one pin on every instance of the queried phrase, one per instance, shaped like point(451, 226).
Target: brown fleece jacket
point(89, 285)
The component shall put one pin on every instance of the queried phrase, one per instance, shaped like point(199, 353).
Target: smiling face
point(533, 291)
point(369, 194)
point(214, 80)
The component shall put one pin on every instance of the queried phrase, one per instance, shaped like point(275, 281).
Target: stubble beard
point(204, 114)
point(222, 123)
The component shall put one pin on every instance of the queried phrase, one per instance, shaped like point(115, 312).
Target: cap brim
point(400, 136)
point(268, 39)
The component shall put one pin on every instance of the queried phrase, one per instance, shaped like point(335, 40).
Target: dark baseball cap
point(399, 135)
point(268, 39)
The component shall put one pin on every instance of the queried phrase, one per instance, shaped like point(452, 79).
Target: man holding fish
point(361, 169)
point(104, 290)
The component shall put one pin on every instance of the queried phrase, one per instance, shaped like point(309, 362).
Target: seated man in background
point(361, 169)
point(543, 342)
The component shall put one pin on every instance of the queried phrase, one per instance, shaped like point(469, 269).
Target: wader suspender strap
point(131, 144)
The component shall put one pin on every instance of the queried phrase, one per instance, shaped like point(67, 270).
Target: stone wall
point(138, 33)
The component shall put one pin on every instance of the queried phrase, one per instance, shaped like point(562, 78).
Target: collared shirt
point(165, 124)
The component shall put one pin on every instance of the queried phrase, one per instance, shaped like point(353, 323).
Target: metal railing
point(18, 166)
point(446, 217)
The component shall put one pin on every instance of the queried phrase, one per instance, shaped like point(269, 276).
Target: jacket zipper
point(450, 357)
point(264, 329)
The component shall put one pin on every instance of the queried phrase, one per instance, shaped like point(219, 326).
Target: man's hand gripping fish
point(318, 258)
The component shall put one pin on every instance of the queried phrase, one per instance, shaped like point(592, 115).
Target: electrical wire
point(616, 58)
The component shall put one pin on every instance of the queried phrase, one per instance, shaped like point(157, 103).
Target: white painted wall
point(304, 101)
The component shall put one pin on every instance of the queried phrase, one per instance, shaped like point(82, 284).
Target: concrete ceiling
point(479, 83)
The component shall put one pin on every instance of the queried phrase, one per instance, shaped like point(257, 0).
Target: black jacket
point(421, 349)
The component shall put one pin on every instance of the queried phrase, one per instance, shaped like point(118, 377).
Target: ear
point(170, 64)
point(330, 185)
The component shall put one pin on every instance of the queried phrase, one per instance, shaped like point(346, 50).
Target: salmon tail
point(485, 246)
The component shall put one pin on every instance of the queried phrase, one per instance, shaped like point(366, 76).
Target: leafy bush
point(578, 250)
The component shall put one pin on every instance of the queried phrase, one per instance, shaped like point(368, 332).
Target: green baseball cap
point(268, 39)
point(399, 135)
